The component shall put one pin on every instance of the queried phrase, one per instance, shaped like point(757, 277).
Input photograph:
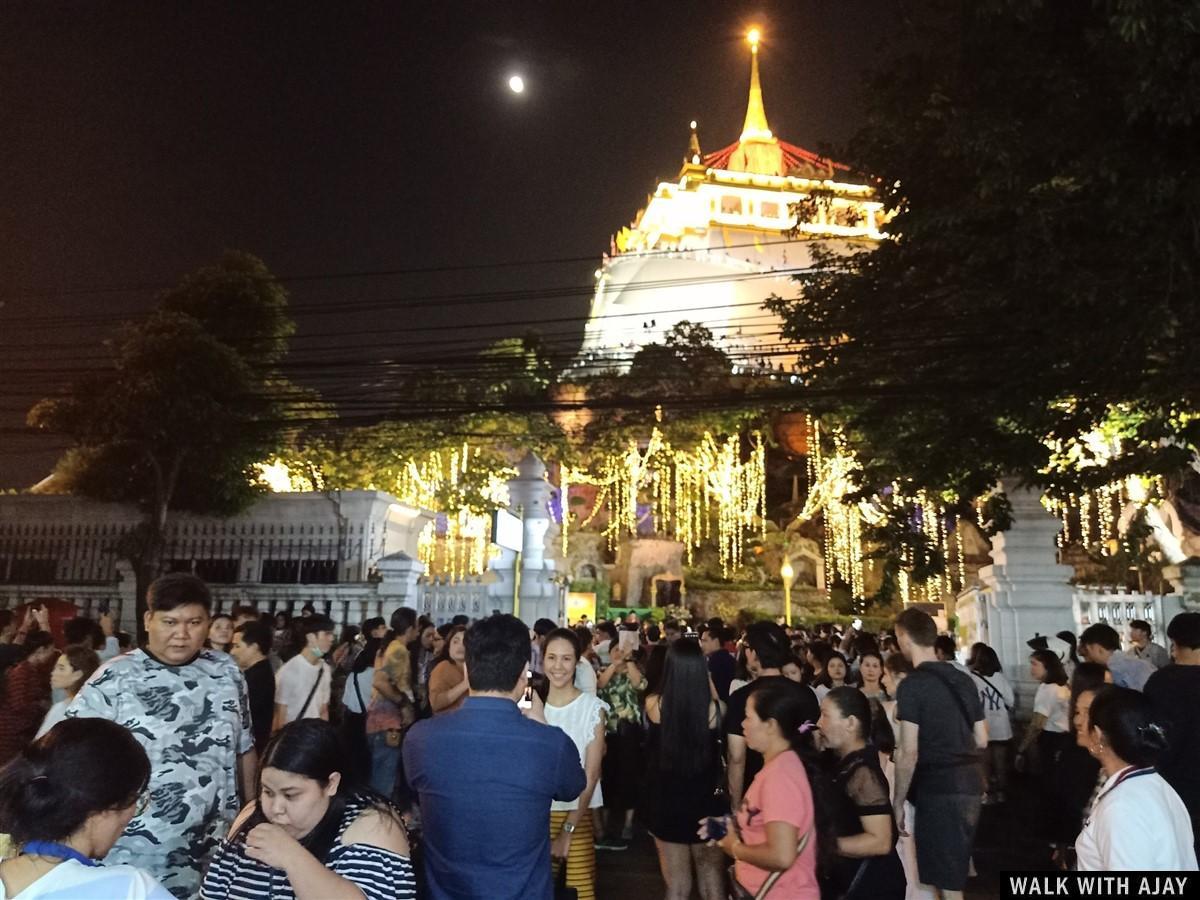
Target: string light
point(706, 494)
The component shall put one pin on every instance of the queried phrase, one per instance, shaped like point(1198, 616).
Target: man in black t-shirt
point(767, 650)
point(942, 730)
point(721, 663)
point(1175, 692)
point(251, 644)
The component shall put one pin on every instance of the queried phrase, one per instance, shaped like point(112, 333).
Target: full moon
point(516, 84)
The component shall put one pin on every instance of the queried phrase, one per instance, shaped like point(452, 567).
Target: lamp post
point(786, 573)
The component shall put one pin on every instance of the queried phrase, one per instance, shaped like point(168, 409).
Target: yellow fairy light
point(709, 493)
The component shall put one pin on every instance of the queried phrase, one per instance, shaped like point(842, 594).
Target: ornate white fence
point(442, 601)
point(1119, 608)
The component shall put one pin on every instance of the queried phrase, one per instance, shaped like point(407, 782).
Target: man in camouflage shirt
point(189, 708)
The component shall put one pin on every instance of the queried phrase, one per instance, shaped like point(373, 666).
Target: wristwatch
point(568, 827)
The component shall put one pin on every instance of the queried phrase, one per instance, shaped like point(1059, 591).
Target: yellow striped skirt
point(581, 857)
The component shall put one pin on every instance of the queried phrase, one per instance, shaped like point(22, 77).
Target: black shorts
point(944, 833)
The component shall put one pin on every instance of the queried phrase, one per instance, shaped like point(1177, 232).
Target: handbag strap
point(362, 707)
point(775, 876)
point(308, 699)
point(994, 688)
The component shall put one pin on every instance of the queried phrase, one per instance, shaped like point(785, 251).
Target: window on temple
point(769, 210)
point(731, 206)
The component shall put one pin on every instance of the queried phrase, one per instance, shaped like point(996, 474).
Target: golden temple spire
point(755, 127)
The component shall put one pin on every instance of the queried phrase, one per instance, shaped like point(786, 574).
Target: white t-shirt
point(1139, 824)
point(585, 677)
point(294, 680)
point(1053, 701)
point(71, 880)
point(996, 695)
point(578, 719)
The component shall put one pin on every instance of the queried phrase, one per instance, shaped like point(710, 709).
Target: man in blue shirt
point(486, 775)
point(1100, 643)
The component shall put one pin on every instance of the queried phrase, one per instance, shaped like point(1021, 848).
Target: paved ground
point(1007, 840)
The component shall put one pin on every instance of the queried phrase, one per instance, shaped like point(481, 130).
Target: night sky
point(142, 139)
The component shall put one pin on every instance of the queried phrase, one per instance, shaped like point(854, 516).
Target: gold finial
point(755, 127)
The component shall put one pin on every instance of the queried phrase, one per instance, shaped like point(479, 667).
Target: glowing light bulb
point(516, 84)
point(753, 36)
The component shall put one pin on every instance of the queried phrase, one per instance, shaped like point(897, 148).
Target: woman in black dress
point(867, 864)
point(685, 777)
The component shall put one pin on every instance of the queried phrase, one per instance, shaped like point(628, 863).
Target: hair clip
point(39, 778)
point(1153, 727)
point(807, 727)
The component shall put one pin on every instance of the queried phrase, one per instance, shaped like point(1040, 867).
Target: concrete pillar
point(1185, 579)
point(397, 587)
point(530, 493)
point(1026, 590)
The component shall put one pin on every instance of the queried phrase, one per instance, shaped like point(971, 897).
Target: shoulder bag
point(316, 684)
point(737, 891)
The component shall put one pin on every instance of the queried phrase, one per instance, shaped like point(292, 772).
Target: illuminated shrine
point(733, 228)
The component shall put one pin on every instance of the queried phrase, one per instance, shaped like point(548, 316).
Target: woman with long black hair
point(685, 776)
point(310, 834)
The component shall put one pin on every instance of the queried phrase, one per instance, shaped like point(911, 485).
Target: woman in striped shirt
point(310, 835)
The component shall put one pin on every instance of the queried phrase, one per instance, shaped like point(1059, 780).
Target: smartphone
point(715, 828)
point(628, 641)
point(526, 701)
point(856, 624)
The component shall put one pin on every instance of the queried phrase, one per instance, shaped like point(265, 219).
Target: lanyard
point(62, 851)
point(1123, 776)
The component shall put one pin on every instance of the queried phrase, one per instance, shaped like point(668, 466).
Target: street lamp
point(786, 573)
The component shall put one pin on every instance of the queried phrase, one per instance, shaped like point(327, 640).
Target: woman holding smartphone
point(779, 829)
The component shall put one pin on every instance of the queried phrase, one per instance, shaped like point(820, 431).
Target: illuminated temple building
point(733, 228)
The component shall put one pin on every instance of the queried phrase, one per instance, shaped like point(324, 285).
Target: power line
point(149, 286)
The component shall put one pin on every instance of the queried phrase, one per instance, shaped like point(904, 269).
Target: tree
point(1043, 276)
point(684, 386)
point(186, 409)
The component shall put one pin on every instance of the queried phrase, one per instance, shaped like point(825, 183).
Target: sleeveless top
point(380, 874)
point(578, 719)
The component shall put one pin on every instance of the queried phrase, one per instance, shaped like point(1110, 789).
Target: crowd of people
point(261, 756)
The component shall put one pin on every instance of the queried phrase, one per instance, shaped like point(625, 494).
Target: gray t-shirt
point(193, 721)
point(947, 758)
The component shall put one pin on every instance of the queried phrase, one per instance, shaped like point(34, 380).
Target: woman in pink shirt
point(775, 833)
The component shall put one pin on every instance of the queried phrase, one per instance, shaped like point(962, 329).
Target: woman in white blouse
point(1050, 728)
point(1137, 820)
point(581, 716)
